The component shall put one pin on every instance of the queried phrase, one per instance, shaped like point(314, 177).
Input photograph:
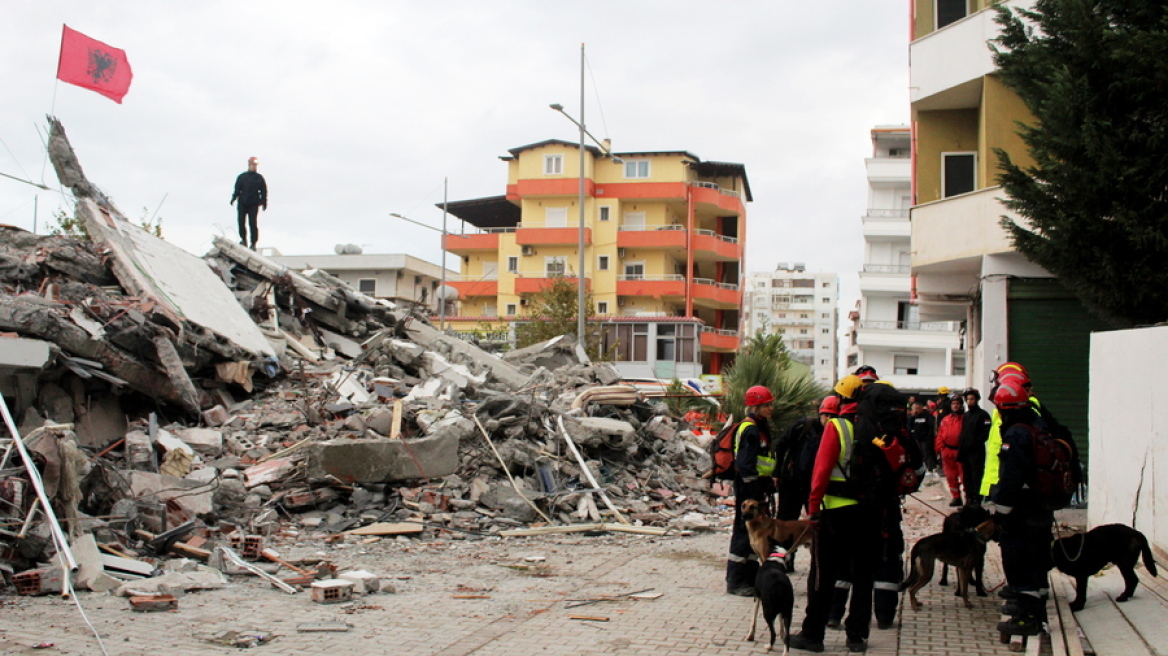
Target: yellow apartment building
point(663, 241)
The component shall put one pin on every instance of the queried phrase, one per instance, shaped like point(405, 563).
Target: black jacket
point(975, 430)
point(250, 190)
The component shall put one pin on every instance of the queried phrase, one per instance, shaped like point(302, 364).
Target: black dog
point(777, 598)
point(1082, 556)
point(969, 517)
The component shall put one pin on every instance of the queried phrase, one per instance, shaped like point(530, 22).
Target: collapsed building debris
point(183, 409)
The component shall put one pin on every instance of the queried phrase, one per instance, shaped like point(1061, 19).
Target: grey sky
point(359, 109)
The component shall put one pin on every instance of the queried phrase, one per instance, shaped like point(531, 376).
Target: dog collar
point(778, 555)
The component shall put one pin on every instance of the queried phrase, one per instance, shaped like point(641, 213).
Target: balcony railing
point(937, 326)
point(648, 228)
point(887, 214)
point(496, 231)
point(720, 331)
point(545, 274)
point(624, 277)
point(711, 233)
point(887, 268)
point(720, 285)
point(711, 185)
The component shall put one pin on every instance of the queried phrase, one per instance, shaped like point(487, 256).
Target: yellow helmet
point(847, 386)
point(942, 390)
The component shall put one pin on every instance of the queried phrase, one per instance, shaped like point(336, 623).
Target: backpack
point(721, 450)
point(1058, 473)
point(790, 451)
point(881, 469)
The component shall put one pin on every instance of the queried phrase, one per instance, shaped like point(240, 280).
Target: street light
point(580, 240)
point(442, 288)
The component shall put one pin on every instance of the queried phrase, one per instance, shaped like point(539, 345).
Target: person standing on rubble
point(753, 468)
point(251, 192)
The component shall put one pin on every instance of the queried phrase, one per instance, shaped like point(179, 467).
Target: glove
point(814, 519)
point(265, 207)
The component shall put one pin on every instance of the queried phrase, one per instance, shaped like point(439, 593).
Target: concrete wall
point(1129, 432)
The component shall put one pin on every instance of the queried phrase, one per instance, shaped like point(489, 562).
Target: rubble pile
point(183, 410)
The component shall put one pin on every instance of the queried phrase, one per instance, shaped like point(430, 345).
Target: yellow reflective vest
point(992, 473)
point(764, 463)
point(846, 432)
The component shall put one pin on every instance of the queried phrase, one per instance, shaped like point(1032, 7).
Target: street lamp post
point(580, 238)
point(442, 289)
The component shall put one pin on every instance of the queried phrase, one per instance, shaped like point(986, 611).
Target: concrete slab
point(1132, 628)
point(22, 353)
point(384, 460)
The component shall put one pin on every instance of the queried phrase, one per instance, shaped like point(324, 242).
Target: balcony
point(957, 229)
point(886, 225)
point(719, 247)
point(709, 197)
point(913, 335)
point(946, 67)
point(889, 169)
point(659, 287)
point(472, 243)
point(642, 237)
point(721, 295)
point(541, 235)
point(719, 340)
point(533, 282)
point(469, 286)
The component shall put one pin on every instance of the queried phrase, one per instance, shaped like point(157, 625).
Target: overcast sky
point(360, 109)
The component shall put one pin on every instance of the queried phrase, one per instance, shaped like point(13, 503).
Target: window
point(637, 168)
point(367, 285)
point(513, 263)
point(908, 316)
point(826, 299)
point(804, 315)
point(825, 315)
point(555, 217)
point(958, 173)
point(823, 362)
point(802, 331)
point(950, 11)
point(780, 283)
point(958, 364)
point(490, 310)
point(634, 270)
point(825, 331)
point(490, 270)
point(417, 280)
point(602, 263)
point(604, 210)
point(627, 342)
point(802, 282)
point(553, 164)
point(666, 346)
point(905, 365)
point(602, 308)
point(826, 285)
point(634, 221)
point(512, 310)
point(555, 266)
point(803, 298)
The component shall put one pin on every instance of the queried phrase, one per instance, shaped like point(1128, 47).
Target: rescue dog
point(966, 518)
point(763, 528)
point(1081, 556)
point(961, 550)
point(776, 596)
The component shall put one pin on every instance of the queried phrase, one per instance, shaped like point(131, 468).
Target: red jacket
point(949, 434)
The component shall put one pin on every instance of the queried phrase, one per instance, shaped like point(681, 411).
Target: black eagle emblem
point(102, 66)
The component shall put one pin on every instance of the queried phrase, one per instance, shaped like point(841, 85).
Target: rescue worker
point(922, 428)
point(975, 430)
point(1023, 523)
point(947, 443)
point(849, 533)
point(753, 468)
point(792, 473)
point(1005, 372)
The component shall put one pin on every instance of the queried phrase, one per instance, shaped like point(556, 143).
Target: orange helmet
point(830, 406)
point(758, 395)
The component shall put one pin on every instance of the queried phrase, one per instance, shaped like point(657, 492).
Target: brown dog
point(763, 529)
point(963, 550)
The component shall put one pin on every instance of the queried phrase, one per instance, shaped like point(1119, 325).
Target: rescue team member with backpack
point(753, 468)
point(1023, 520)
point(794, 478)
point(849, 520)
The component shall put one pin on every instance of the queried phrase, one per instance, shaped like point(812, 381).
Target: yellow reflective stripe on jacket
point(844, 429)
point(764, 464)
point(992, 473)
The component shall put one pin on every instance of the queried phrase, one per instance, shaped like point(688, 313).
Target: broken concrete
point(384, 460)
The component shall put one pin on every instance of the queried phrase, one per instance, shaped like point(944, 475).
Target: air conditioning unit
point(528, 250)
point(620, 252)
point(523, 302)
point(620, 300)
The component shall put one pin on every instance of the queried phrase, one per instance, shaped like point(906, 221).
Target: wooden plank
point(387, 528)
point(1071, 642)
point(581, 528)
point(398, 410)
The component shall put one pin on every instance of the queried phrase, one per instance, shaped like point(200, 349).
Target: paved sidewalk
point(524, 613)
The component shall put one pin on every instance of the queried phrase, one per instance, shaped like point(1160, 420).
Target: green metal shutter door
point(1050, 335)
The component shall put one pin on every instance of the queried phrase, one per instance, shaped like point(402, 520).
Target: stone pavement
point(525, 610)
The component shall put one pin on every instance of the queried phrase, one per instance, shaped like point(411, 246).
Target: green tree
point(74, 227)
point(764, 360)
point(552, 312)
point(1095, 203)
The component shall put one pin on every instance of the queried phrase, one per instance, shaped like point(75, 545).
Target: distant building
point(803, 308)
point(662, 246)
point(886, 330)
point(396, 277)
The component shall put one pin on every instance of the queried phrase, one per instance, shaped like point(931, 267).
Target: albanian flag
point(93, 65)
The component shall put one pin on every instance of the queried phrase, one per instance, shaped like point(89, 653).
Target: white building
point(802, 307)
point(887, 332)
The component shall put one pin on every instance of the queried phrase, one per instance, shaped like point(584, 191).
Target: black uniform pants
point(849, 541)
point(248, 217)
point(887, 574)
point(1025, 540)
point(973, 467)
point(742, 563)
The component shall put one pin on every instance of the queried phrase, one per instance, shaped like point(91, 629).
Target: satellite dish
point(446, 293)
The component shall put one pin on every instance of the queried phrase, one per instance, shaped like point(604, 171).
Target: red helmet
point(1008, 368)
point(850, 408)
point(830, 406)
point(867, 374)
point(758, 395)
point(1011, 396)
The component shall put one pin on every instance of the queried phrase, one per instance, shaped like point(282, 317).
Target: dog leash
point(1062, 546)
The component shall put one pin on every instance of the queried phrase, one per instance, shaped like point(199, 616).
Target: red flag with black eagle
point(93, 65)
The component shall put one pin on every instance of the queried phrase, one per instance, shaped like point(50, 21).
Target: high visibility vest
point(845, 430)
point(764, 463)
point(994, 448)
